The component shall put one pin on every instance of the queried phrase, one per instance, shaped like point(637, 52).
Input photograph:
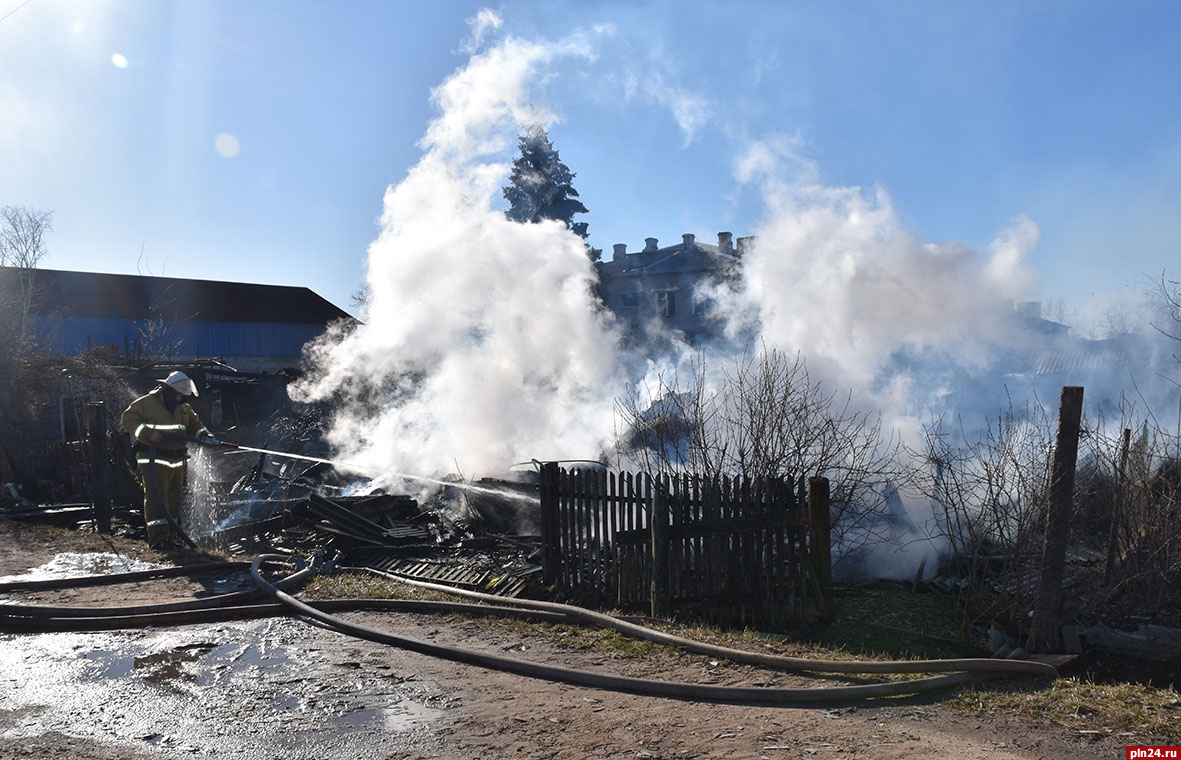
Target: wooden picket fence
point(729, 550)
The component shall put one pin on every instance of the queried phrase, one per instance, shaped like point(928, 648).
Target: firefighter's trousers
point(164, 483)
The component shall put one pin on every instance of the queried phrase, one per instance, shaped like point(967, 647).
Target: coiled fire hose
point(246, 605)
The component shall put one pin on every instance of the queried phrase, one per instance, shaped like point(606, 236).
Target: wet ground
point(285, 688)
point(248, 689)
point(238, 690)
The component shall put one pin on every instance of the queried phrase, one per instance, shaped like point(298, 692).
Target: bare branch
point(22, 236)
point(768, 418)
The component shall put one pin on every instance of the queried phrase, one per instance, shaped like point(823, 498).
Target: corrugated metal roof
point(74, 335)
point(1058, 354)
point(136, 297)
point(1081, 359)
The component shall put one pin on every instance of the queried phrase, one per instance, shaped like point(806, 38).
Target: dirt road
point(284, 688)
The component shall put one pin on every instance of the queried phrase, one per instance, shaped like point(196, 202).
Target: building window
point(666, 303)
point(702, 305)
point(629, 300)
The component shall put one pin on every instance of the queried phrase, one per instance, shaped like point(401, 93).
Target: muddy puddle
point(75, 564)
point(277, 687)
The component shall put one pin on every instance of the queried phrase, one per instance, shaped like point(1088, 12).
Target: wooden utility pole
point(1044, 632)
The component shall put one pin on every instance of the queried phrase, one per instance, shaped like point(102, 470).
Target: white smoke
point(896, 322)
point(834, 276)
point(482, 345)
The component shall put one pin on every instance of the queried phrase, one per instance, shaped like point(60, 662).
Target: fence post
point(1117, 511)
point(1044, 633)
point(99, 458)
point(550, 553)
point(820, 543)
point(658, 526)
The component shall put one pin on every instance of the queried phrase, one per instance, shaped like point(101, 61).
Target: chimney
point(745, 244)
point(688, 239)
point(650, 245)
point(618, 251)
point(726, 242)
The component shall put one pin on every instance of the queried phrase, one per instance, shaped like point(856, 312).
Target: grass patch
point(890, 621)
point(757, 641)
point(354, 585)
point(1084, 706)
point(587, 638)
point(886, 621)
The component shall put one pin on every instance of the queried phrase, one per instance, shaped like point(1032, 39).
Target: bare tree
point(22, 246)
point(1170, 292)
point(22, 236)
point(992, 493)
point(1056, 310)
point(361, 296)
point(1133, 484)
point(776, 419)
point(766, 417)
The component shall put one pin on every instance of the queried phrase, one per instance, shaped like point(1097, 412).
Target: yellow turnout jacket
point(147, 414)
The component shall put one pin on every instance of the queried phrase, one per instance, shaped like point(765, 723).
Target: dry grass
point(1073, 704)
point(362, 585)
point(1108, 709)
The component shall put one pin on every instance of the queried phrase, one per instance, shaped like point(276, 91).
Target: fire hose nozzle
point(209, 440)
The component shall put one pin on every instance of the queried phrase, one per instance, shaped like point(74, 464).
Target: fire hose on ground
point(254, 604)
point(778, 662)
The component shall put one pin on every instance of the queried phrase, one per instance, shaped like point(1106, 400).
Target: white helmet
point(181, 383)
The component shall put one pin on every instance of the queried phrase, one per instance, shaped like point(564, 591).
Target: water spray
point(365, 469)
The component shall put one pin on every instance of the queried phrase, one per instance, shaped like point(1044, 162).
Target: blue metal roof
point(70, 336)
point(74, 312)
point(93, 294)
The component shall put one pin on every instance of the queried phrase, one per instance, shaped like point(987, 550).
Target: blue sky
point(253, 141)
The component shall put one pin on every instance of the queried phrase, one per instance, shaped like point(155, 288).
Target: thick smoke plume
point(873, 308)
point(482, 345)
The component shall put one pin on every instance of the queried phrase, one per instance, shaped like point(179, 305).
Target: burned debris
point(64, 462)
point(458, 535)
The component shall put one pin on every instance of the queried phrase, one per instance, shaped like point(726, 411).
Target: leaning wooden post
point(820, 543)
point(550, 551)
point(1044, 631)
point(658, 528)
point(99, 458)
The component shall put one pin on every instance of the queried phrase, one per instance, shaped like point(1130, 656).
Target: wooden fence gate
point(730, 550)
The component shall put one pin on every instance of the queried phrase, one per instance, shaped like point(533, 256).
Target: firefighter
point(162, 422)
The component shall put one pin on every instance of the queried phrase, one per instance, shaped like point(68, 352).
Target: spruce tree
point(540, 186)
